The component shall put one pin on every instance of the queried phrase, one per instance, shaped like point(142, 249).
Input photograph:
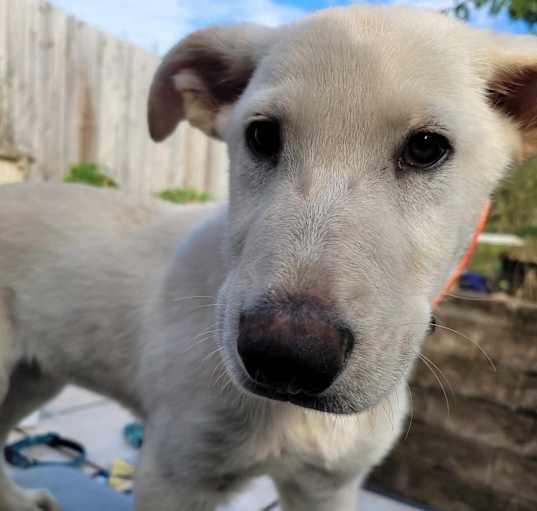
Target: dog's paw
point(31, 500)
point(42, 500)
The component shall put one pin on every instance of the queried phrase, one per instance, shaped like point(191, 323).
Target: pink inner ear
point(514, 92)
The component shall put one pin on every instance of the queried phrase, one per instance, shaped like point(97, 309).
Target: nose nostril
point(293, 352)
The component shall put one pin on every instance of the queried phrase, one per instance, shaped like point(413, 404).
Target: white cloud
point(157, 24)
point(266, 12)
point(424, 4)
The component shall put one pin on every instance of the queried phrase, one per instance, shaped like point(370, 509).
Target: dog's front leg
point(156, 489)
point(319, 493)
point(164, 478)
point(155, 493)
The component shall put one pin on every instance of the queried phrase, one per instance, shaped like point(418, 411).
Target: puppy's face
point(364, 143)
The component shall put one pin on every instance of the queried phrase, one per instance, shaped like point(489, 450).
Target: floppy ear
point(202, 74)
point(512, 87)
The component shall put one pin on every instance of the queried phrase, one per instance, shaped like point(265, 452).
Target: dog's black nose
point(293, 347)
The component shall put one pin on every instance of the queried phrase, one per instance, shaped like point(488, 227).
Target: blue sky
point(157, 24)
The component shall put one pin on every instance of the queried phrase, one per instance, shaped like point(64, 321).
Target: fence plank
point(73, 94)
point(6, 138)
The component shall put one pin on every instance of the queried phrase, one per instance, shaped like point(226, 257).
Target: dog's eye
point(424, 150)
point(263, 138)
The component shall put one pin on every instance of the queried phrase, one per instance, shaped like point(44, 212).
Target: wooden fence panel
point(70, 93)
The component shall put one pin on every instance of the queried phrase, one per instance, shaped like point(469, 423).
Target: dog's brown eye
point(424, 150)
point(263, 138)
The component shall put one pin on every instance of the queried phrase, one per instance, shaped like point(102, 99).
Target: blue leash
point(13, 453)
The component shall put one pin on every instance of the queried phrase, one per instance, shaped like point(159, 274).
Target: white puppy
point(275, 336)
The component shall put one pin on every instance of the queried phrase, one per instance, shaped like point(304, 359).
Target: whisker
point(211, 354)
point(371, 420)
point(410, 422)
point(209, 305)
point(439, 382)
point(201, 339)
point(470, 298)
point(217, 367)
point(443, 376)
point(217, 373)
point(465, 337)
point(470, 340)
point(223, 375)
point(210, 330)
point(185, 298)
point(386, 408)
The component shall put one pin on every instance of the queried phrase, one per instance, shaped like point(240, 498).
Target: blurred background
point(74, 77)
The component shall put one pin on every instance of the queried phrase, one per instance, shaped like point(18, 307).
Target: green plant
point(89, 174)
point(514, 207)
point(183, 195)
point(517, 9)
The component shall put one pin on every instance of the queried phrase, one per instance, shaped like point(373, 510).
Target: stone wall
point(481, 452)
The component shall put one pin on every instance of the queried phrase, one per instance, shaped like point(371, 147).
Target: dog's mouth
point(322, 403)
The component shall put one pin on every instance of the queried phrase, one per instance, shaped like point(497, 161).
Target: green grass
point(89, 174)
point(183, 195)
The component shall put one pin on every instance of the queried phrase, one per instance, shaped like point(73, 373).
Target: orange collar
point(466, 257)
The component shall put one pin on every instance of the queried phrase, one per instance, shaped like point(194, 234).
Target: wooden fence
point(70, 93)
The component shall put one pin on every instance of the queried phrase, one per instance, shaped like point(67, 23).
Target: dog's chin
point(331, 404)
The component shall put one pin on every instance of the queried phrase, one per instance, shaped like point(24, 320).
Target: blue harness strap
point(13, 453)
